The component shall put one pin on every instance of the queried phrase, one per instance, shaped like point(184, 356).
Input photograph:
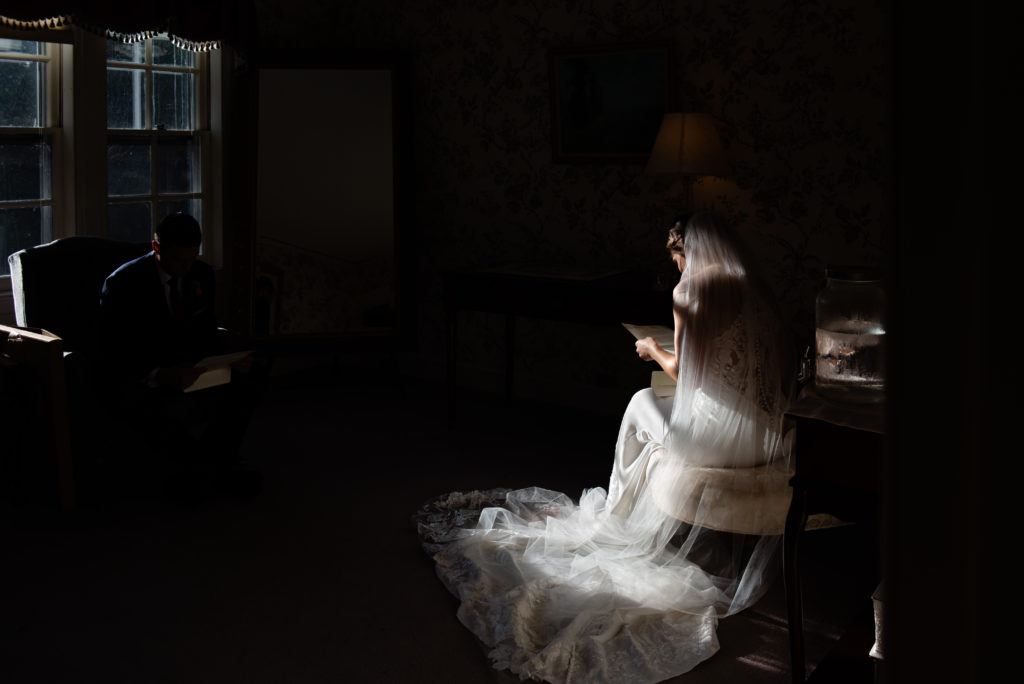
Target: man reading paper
point(159, 321)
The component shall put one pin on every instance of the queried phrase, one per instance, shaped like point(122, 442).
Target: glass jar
point(849, 318)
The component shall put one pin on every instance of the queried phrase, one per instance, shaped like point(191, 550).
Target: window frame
point(200, 133)
point(79, 163)
point(56, 110)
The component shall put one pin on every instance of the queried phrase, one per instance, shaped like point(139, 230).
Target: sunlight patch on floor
point(765, 662)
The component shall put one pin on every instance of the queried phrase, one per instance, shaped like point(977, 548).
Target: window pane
point(165, 53)
point(172, 100)
point(192, 207)
point(24, 169)
point(178, 169)
point(22, 228)
point(126, 98)
point(24, 47)
point(130, 222)
point(126, 52)
point(128, 168)
point(21, 84)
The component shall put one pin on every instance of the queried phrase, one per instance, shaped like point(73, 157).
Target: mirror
point(326, 259)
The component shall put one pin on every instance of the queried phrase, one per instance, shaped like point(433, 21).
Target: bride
point(628, 584)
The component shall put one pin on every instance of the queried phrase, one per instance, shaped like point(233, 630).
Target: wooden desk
point(554, 293)
point(41, 353)
point(838, 465)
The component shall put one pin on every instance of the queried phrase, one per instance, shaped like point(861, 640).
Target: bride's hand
point(646, 347)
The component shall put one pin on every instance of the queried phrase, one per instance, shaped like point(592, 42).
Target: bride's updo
point(712, 287)
point(677, 233)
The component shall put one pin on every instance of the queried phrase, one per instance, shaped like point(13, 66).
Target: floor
point(321, 579)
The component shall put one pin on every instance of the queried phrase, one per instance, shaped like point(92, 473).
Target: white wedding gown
point(628, 584)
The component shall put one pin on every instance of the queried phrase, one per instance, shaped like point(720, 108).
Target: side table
point(837, 458)
point(41, 354)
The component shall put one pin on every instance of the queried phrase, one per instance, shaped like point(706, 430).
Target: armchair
point(56, 288)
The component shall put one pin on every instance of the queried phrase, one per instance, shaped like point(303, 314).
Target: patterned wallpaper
point(800, 85)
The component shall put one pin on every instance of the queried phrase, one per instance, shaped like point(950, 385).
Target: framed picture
point(607, 102)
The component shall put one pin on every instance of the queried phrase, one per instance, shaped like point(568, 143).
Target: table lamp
point(687, 146)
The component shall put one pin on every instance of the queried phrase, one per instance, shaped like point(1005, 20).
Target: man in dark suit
point(159, 321)
point(159, 309)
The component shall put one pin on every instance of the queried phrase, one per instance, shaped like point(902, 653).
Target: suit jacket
point(138, 329)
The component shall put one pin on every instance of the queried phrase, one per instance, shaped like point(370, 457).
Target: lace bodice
point(741, 359)
point(728, 358)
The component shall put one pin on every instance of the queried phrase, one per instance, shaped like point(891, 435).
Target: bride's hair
point(713, 250)
point(677, 233)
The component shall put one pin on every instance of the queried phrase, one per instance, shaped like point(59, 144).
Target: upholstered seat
point(56, 286)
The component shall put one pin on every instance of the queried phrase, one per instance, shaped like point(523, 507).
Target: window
point(76, 161)
point(156, 118)
point(30, 144)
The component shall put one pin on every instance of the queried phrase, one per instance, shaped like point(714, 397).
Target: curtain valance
point(197, 25)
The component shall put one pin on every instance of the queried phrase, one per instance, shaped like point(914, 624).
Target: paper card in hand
point(664, 336)
point(218, 370)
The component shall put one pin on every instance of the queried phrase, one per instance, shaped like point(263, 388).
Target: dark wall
point(801, 88)
point(954, 404)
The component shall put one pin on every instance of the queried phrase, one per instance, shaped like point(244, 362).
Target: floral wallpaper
point(799, 85)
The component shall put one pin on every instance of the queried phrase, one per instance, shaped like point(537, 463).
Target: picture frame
point(607, 102)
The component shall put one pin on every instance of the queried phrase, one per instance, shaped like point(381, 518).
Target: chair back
point(57, 286)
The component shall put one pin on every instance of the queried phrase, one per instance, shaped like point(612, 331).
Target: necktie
point(176, 310)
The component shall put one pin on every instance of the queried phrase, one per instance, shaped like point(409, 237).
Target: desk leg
point(451, 339)
point(510, 356)
point(796, 519)
point(42, 353)
point(57, 407)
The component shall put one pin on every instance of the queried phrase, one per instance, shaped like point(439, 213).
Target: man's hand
point(244, 364)
point(179, 377)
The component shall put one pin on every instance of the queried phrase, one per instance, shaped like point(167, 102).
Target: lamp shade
point(687, 145)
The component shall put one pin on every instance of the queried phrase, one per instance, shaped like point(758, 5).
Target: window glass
point(160, 168)
point(130, 221)
point(22, 87)
point(165, 53)
point(134, 53)
point(173, 97)
point(24, 47)
point(176, 158)
point(126, 98)
point(26, 192)
point(128, 168)
point(192, 207)
point(24, 169)
point(21, 228)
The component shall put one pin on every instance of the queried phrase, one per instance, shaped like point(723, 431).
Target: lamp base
point(682, 193)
